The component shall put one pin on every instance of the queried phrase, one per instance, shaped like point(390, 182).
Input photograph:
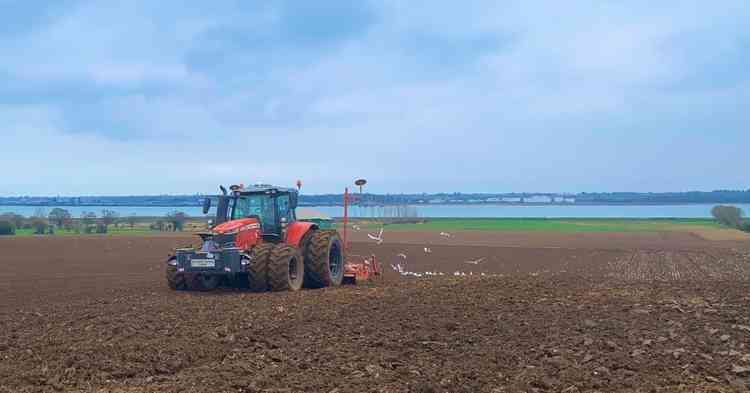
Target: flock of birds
point(401, 266)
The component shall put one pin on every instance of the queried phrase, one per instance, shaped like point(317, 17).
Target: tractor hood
point(235, 226)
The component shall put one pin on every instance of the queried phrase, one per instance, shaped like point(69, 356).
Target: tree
point(730, 216)
point(7, 228)
point(108, 217)
point(177, 219)
point(39, 225)
point(88, 219)
point(59, 217)
point(39, 222)
point(16, 219)
point(131, 221)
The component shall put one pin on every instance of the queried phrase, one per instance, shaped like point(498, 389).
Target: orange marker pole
point(346, 218)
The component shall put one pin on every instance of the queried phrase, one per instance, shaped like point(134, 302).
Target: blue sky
point(484, 96)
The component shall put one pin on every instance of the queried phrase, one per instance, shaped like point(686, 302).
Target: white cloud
point(476, 95)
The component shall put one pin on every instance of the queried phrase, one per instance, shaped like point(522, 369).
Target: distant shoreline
point(409, 204)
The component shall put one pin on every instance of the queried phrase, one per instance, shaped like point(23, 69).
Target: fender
point(297, 230)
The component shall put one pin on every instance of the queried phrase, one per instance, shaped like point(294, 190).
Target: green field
point(558, 225)
point(111, 231)
point(484, 224)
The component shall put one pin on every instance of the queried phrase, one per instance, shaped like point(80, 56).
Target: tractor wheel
point(324, 259)
point(204, 282)
point(286, 269)
point(258, 268)
point(176, 280)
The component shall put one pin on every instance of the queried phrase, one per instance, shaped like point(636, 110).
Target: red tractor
point(257, 241)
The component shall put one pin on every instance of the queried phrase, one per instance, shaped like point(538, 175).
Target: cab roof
point(261, 189)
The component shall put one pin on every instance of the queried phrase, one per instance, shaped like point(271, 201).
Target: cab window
point(285, 210)
point(255, 205)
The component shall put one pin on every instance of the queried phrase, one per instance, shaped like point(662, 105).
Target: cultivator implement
point(359, 268)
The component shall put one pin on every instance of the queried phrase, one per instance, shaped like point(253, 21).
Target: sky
point(173, 97)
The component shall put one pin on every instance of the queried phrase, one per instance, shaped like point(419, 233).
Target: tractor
point(256, 241)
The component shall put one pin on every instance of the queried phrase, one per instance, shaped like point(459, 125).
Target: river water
point(468, 211)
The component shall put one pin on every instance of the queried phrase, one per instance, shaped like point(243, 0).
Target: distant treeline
point(633, 198)
point(720, 196)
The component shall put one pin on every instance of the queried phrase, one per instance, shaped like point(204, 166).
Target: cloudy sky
point(147, 97)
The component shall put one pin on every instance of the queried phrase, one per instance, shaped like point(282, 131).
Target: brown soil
point(575, 314)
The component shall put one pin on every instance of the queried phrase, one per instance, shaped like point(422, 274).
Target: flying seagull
point(445, 234)
point(378, 238)
point(475, 262)
point(427, 250)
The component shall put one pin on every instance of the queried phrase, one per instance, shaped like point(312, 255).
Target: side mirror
point(206, 205)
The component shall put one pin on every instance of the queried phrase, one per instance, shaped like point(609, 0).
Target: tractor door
point(286, 212)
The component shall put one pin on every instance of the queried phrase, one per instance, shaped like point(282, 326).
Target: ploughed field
point(533, 312)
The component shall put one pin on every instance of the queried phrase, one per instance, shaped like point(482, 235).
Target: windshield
point(260, 205)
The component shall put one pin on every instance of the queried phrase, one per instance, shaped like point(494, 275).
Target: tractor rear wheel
point(176, 280)
point(258, 268)
point(286, 269)
point(324, 259)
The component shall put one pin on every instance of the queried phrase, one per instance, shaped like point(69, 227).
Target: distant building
point(563, 199)
point(512, 199)
point(493, 199)
point(538, 199)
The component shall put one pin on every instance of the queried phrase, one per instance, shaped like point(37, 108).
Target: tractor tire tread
point(317, 271)
point(177, 281)
point(278, 267)
point(258, 267)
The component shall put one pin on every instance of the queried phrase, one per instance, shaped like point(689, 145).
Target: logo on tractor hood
point(235, 226)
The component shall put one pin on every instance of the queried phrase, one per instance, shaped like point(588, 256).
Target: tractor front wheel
point(324, 259)
point(257, 269)
point(286, 269)
point(176, 280)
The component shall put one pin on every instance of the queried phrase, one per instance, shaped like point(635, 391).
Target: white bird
point(475, 262)
point(356, 227)
point(378, 238)
point(445, 234)
point(402, 255)
point(427, 250)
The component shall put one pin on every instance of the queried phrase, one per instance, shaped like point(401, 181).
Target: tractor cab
point(272, 207)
